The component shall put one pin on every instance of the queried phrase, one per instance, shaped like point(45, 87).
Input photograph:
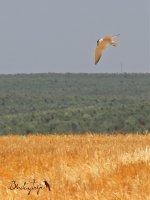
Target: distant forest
point(74, 103)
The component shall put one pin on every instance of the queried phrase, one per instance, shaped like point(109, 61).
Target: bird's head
point(99, 40)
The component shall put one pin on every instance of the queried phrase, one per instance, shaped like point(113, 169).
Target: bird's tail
point(113, 36)
point(113, 43)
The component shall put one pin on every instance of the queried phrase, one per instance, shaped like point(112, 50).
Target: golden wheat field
point(75, 167)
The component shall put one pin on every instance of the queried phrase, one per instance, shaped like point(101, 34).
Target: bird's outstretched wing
point(99, 50)
point(98, 54)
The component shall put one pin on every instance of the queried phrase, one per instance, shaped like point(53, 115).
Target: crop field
point(75, 167)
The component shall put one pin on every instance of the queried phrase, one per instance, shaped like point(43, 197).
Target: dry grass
point(78, 167)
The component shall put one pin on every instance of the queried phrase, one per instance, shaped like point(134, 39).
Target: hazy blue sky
point(60, 35)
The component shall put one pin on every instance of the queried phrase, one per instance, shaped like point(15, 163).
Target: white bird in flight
point(102, 44)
